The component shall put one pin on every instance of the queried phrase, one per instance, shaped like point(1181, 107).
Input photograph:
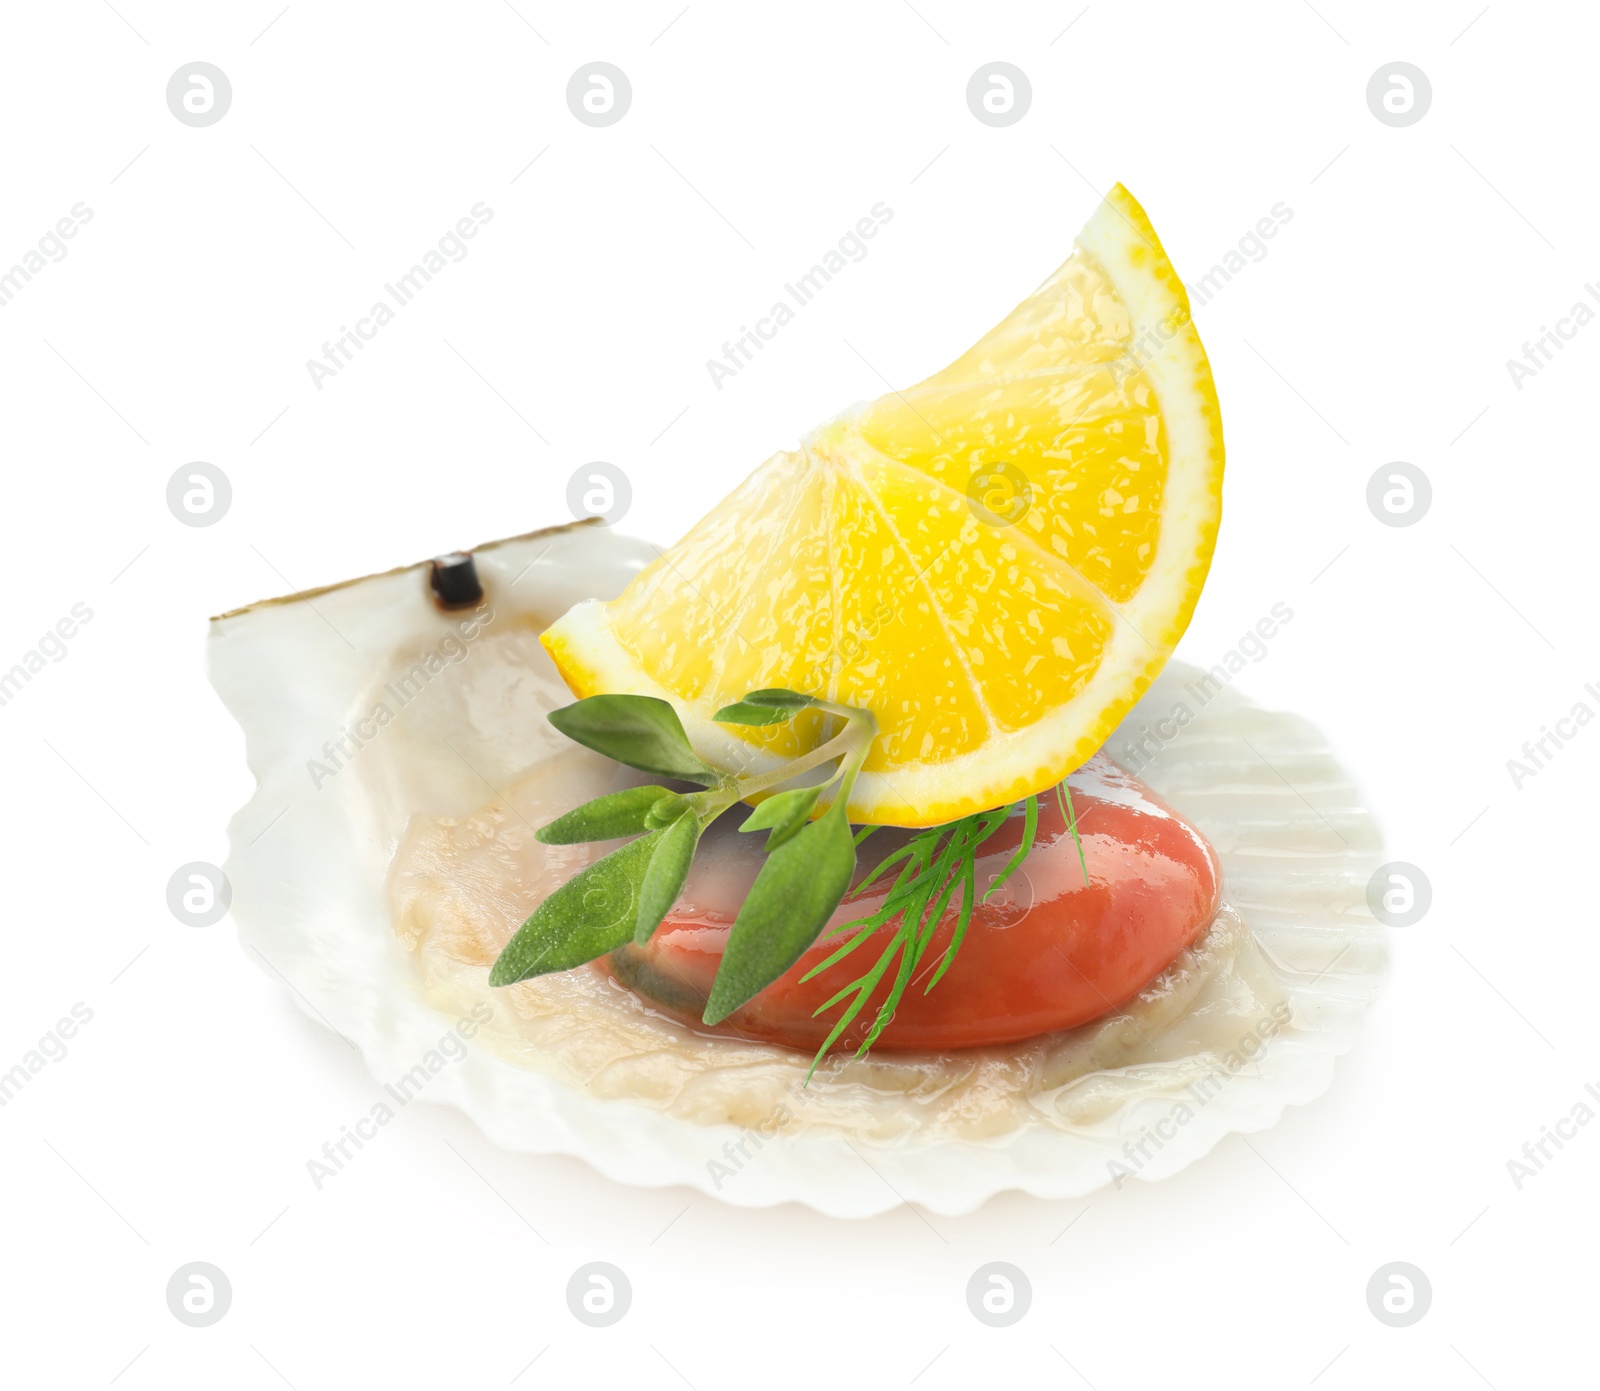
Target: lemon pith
point(997, 562)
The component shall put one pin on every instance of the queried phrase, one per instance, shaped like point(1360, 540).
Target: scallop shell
point(366, 707)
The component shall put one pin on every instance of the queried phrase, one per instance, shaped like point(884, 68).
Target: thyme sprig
point(625, 895)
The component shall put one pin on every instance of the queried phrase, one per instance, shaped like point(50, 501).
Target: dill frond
point(933, 866)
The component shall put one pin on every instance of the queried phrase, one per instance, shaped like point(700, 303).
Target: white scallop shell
point(311, 851)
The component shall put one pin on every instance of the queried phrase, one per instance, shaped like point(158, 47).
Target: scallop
point(395, 725)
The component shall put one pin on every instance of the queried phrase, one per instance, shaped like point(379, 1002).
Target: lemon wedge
point(996, 562)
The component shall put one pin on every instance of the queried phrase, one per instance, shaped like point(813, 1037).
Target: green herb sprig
point(806, 874)
point(625, 895)
point(933, 865)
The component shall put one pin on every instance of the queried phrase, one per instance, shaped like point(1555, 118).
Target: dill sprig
point(1069, 814)
point(934, 865)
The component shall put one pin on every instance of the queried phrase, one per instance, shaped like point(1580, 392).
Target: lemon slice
point(996, 562)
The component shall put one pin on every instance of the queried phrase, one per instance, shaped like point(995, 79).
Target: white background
point(219, 260)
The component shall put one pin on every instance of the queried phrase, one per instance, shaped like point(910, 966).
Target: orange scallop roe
point(1048, 951)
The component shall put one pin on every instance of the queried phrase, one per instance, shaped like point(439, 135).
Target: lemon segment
point(996, 562)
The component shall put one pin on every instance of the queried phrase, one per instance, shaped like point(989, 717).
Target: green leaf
point(862, 989)
point(641, 731)
point(744, 713)
point(916, 849)
point(798, 888)
point(591, 914)
point(1030, 826)
point(780, 699)
point(783, 813)
point(969, 891)
point(1069, 814)
point(773, 705)
point(666, 876)
point(934, 865)
point(666, 811)
point(611, 817)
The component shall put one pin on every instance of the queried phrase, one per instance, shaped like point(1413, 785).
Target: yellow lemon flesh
point(996, 562)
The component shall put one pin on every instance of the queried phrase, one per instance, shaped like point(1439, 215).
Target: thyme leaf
point(641, 731)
